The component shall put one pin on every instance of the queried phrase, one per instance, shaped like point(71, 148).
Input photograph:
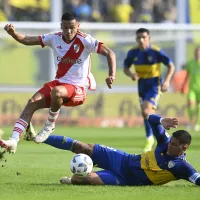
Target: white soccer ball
point(81, 164)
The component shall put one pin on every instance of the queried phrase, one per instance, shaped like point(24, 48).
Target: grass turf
point(33, 172)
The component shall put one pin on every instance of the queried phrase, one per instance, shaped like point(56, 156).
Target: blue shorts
point(152, 95)
point(115, 164)
point(150, 90)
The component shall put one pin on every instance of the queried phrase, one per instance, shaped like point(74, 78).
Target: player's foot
point(30, 133)
point(197, 128)
point(10, 145)
point(149, 144)
point(44, 133)
point(65, 180)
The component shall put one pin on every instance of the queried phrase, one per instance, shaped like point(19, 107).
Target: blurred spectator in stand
point(164, 11)
point(29, 10)
point(82, 9)
point(143, 11)
point(122, 11)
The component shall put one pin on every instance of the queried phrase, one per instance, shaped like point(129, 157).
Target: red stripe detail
point(51, 120)
point(82, 34)
point(63, 67)
point(24, 124)
point(53, 114)
point(99, 47)
point(3, 145)
point(41, 42)
point(18, 130)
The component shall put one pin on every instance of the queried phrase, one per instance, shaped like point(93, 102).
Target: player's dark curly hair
point(69, 16)
point(183, 136)
point(142, 30)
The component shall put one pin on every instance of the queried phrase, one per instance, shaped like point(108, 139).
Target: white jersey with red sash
point(73, 60)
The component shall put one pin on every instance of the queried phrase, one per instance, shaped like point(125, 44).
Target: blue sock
point(61, 142)
point(148, 128)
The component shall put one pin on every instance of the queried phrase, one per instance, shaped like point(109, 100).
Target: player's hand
point(168, 123)
point(135, 77)
point(109, 81)
point(165, 87)
point(10, 29)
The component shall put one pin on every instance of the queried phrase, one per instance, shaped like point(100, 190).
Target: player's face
point(175, 148)
point(143, 40)
point(69, 29)
point(197, 54)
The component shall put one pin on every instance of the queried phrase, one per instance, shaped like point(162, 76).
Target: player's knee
point(146, 112)
point(30, 101)
point(55, 92)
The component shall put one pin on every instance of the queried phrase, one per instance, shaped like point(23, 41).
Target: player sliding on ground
point(72, 56)
point(156, 167)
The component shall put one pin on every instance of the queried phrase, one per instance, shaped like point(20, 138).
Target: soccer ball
point(81, 164)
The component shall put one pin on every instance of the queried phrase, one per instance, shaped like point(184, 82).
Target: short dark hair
point(183, 136)
point(143, 30)
point(68, 16)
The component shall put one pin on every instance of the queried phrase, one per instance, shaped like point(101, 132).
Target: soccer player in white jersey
point(72, 51)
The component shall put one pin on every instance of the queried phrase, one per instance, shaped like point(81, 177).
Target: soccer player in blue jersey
point(147, 60)
point(156, 167)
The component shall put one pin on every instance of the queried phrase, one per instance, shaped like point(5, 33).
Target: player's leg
point(35, 103)
point(104, 157)
point(191, 108)
point(149, 105)
point(91, 179)
point(62, 94)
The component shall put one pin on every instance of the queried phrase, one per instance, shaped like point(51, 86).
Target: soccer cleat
point(65, 180)
point(30, 133)
point(10, 145)
point(149, 144)
point(44, 133)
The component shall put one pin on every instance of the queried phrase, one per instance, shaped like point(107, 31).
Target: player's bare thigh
point(91, 179)
point(60, 92)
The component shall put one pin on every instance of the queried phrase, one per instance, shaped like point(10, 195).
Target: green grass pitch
point(33, 172)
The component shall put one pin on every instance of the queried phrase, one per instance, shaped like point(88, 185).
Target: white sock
point(52, 117)
point(19, 128)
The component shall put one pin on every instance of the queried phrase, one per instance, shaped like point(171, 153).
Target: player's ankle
point(15, 138)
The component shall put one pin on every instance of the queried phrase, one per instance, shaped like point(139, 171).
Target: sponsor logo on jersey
point(171, 164)
point(69, 60)
point(59, 47)
point(76, 48)
point(150, 58)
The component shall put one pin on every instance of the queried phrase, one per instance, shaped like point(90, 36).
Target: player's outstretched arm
point(168, 123)
point(111, 60)
point(23, 39)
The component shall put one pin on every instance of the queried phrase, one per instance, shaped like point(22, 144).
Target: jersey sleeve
point(128, 60)
point(159, 132)
point(92, 44)
point(166, 60)
point(187, 172)
point(46, 40)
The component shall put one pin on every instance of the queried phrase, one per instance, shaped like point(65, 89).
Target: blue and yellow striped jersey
point(147, 62)
point(156, 167)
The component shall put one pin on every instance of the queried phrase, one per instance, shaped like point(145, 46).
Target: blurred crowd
point(143, 11)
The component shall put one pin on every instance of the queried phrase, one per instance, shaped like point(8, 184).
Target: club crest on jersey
point(171, 164)
point(76, 48)
point(150, 58)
